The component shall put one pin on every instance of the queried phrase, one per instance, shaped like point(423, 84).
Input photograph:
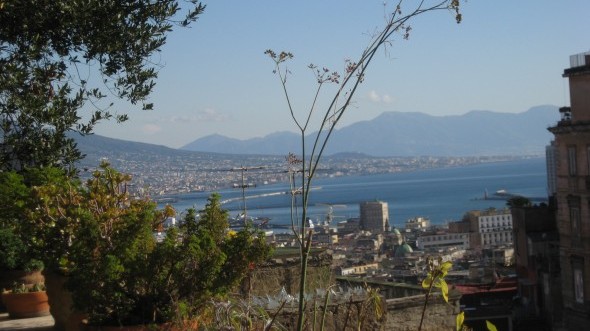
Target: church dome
point(403, 250)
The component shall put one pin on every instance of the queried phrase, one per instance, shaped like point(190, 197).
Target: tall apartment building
point(374, 216)
point(572, 143)
point(495, 228)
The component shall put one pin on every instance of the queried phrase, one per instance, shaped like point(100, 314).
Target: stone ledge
point(44, 323)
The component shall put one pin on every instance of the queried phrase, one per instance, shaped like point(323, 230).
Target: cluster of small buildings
point(480, 246)
point(368, 245)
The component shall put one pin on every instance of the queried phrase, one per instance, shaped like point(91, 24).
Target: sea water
point(442, 194)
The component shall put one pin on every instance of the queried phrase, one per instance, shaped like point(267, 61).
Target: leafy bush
point(52, 215)
point(21, 246)
point(119, 273)
point(12, 250)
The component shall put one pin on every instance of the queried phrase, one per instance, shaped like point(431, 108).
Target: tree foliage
point(120, 274)
point(60, 58)
point(13, 193)
point(15, 190)
point(518, 201)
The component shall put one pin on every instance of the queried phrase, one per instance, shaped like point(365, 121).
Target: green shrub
point(12, 250)
point(118, 272)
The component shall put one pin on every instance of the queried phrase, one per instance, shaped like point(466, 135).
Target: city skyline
point(504, 57)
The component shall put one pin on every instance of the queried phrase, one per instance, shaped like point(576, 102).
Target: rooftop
point(579, 63)
point(579, 60)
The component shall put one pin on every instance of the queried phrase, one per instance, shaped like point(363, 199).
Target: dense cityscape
point(159, 175)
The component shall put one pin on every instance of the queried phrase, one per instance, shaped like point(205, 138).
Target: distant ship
point(166, 200)
point(500, 195)
point(503, 194)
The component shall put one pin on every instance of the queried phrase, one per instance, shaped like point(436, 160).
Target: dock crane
point(330, 214)
point(245, 185)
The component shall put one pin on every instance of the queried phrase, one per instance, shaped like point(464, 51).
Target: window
point(575, 220)
point(575, 217)
point(578, 279)
point(579, 284)
point(571, 158)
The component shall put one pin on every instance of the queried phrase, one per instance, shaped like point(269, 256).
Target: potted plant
point(17, 262)
point(24, 301)
point(46, 237)
point(120, 275)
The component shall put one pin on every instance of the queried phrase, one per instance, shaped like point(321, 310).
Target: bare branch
point(348, 83)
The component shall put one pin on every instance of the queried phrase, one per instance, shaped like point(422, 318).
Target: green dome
point(396, 231)
point(403, 250)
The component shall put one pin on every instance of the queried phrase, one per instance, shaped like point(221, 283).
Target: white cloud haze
point(207, 115)
point(151, 128)
point(377, 98)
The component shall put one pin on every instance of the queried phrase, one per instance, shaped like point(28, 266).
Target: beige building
point(572, 144)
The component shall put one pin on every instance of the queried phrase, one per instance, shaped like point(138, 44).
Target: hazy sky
point(506, 56)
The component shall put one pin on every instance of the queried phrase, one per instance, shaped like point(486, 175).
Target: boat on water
point(503, 194)
point(166, 200)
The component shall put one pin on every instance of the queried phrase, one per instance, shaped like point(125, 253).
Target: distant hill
point(121, 152)
point(92, 144)
point(477, 133)
point(272, 144)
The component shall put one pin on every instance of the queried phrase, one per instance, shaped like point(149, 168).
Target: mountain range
point(476, 133)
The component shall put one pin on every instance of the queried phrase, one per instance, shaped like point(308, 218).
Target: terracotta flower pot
point(61, 304)
point(26, 305)
point(9, 277)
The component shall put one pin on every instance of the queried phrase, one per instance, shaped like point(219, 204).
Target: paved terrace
point(32, 324)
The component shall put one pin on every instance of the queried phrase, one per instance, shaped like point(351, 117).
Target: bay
point(442, 194)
